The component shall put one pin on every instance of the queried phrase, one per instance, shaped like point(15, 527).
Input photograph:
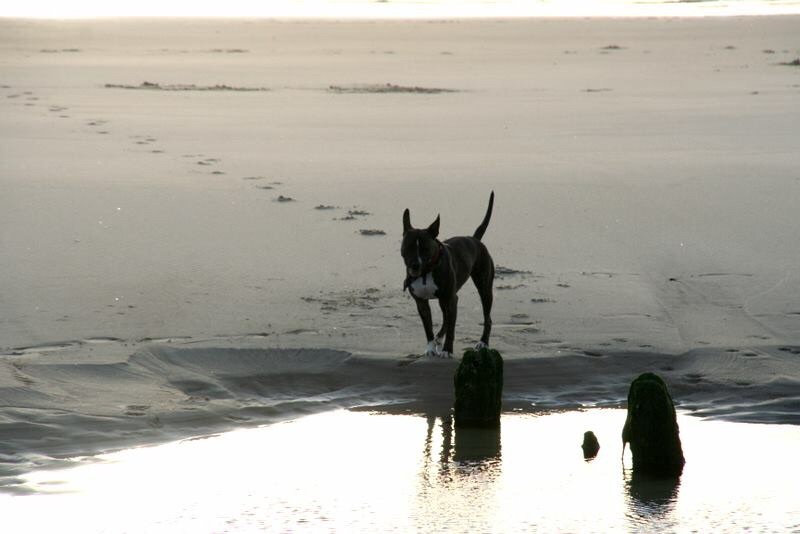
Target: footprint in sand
point(136, 410)
point(143, 139)
point(509, 287)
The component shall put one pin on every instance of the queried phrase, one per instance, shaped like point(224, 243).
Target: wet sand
point(192, 212)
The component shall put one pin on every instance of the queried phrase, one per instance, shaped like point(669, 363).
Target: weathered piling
point(651, 428)
point(479, 389)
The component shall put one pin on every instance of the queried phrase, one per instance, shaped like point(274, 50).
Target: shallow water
point(362, 472)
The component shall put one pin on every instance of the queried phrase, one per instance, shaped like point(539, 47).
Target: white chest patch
point(424, 287)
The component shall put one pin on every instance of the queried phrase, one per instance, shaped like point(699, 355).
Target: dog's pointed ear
point(406, 221)
point(433, 229)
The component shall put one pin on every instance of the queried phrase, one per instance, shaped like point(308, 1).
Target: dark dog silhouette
point(437, 270)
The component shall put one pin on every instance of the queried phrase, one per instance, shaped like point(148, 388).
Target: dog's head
point(419, 248)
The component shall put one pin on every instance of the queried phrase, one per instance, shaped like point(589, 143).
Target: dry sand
point(191, 217)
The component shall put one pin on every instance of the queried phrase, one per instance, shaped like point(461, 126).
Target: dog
point(437, 270)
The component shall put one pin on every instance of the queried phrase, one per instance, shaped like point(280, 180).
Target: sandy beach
point(200, 220)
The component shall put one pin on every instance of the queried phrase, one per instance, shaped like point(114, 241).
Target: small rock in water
point(590, 445)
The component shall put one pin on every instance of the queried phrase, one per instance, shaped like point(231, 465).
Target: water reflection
point(478, 446)
point(460, 448)
point(458, 476)
point(651, 500)
point(361, 472)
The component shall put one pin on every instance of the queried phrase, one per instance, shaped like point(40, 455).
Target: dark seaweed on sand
point(371, 232)
point(387, 88)
point(358, 213)
point(500, 271)
point(793, 63)
point(57, 50)
point(150, 86)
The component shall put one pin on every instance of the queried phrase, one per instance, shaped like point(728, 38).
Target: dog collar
point(434, 263)
point(436, 257)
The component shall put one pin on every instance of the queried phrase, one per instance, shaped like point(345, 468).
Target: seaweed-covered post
point(479, 389)
point(652, 428)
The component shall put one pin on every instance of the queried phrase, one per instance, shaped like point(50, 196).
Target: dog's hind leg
point(484, 286)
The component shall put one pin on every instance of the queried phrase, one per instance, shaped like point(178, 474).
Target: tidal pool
point(348, 471)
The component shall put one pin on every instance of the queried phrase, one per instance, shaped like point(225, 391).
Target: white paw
point(446, 355)
point(439, 342)
point(481, 345)
point(432, 350)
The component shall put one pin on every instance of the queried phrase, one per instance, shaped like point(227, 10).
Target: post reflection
point(650, 500)
point(458, 475)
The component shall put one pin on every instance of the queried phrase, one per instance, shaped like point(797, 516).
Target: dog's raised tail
point(482, 228)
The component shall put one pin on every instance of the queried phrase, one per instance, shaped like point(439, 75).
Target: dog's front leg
point(450, 312)
point(424, 310)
